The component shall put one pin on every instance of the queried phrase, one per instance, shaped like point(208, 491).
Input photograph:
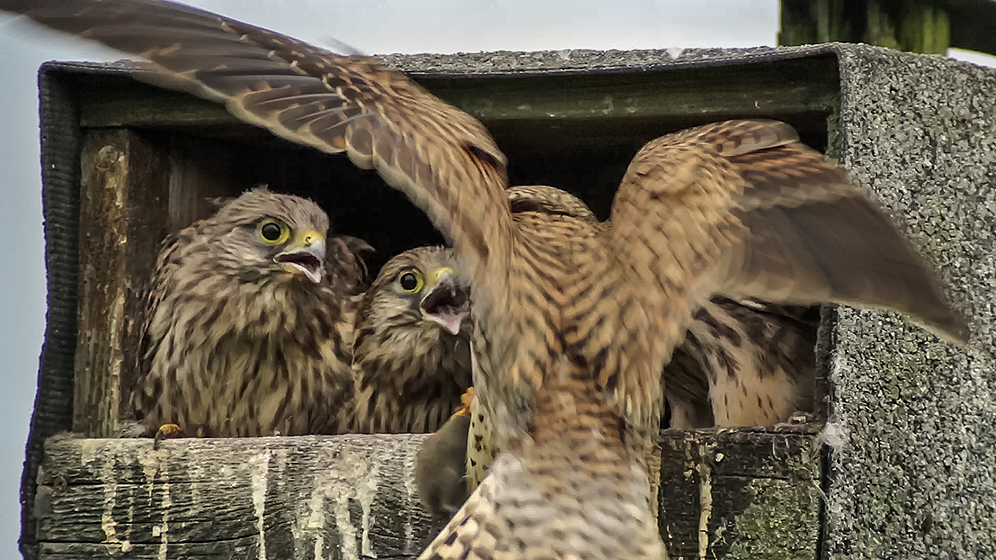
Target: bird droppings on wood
point(259, 466)
point(307, 497)
point(731, 478)
point(355, 496)
point(705, 500)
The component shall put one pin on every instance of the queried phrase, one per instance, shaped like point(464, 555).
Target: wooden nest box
point(899, 470)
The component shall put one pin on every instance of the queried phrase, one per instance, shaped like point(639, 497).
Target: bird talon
point(465, 399)
point(799, 417)
point(167, 431)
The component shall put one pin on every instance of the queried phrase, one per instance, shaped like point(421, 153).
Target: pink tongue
point(449, 321)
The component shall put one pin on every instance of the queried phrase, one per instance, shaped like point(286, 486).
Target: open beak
point(445, 302)
point(305, 254)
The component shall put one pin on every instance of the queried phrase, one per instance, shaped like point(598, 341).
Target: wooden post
point(123, 220)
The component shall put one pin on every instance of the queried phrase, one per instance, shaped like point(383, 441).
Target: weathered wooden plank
point(300, 497)
point(804, 86)
point(755, 492)
point(122, 219)
point(222, 548)
point(741, 493)
point(202, 169)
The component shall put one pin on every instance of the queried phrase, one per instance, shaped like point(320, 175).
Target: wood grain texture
point(805, 89)
point(355, 496)
point(741, 493)
point(286, 497)
point(122, 217)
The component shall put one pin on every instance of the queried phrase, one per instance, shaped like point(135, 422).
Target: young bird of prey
point(573, 323)
point(743, 363)
point(249, 329)
point(411, 355)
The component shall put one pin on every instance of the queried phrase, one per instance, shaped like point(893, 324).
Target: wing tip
point(951, 328)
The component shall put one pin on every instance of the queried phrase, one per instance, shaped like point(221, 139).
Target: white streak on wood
point(89, 448)
point(116, 320)
point(313, 524)
point(412, 489)
point(316, 517)
point(107, 523)
point(365, 494)
point(705, 500)
point(149, 459)
point(342, 480)
point(167, 502)
point(259, 467)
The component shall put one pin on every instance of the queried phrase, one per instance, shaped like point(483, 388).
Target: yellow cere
point(304, 239)
point(435, 275)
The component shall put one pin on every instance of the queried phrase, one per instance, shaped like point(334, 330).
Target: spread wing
point(440, 157)
point(743, 209)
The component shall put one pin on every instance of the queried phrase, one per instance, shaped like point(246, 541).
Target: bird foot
point(173, 431)
point(167, 431)
point(465, 399)
point(799, 418)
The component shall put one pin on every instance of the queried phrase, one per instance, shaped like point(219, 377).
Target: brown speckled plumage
point(743, 363)
point(572, 323)
point(237, 345)
point(409, 370)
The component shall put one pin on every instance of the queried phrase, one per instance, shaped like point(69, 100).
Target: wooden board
point(281, 497)
point(123, 221)
point(755, 492)
point(750, 493)
point(690, 95)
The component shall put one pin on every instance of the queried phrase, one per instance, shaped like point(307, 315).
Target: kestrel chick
point(573, 322)
point(248, 331)
point(411, 359)
point(743, 363)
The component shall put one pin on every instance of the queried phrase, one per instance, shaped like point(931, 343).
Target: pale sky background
point(373, 26)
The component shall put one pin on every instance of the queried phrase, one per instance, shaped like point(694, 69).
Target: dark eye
point(410, 281)
point(273, 232)
point(270, 232)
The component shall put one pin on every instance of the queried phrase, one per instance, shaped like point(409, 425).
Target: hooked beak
point(305, 254)
point(445, 302)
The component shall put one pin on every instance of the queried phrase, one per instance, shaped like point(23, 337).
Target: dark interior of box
point(586, 156)
point(361, 204)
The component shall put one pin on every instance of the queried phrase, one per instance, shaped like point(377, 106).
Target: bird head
point(304, 253)
point(422, 286)
point(271, 234)
point(443, 300)
point(412, 336)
